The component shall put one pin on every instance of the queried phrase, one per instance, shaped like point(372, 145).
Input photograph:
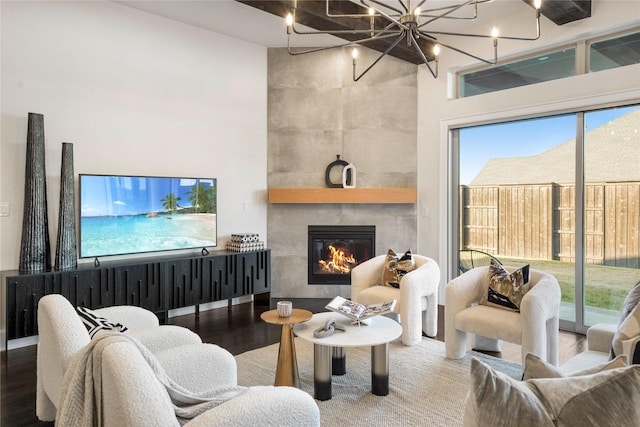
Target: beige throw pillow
point(395, 267)
point(606, 398)
point(535, 368)
point(506, 289)
point(627, 330)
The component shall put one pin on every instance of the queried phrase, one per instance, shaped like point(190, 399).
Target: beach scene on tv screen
point(126, 214)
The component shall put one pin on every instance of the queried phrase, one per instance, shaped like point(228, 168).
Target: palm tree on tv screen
point(203, 199)
point(170, 202)
point(196, 195)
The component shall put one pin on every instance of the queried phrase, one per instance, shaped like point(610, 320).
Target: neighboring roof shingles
point(612, 154)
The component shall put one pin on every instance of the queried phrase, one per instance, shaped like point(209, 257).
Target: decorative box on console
point(244, 242)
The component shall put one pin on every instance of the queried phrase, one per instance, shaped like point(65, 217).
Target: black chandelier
point(402, 21)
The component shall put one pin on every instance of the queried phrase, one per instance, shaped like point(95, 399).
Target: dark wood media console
point(158, 284)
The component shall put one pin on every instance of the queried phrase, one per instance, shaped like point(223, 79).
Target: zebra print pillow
point(96, 323)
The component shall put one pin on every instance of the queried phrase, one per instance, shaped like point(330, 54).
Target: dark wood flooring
point(237, 328)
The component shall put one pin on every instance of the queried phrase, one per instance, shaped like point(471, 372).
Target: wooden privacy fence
point(537, 221)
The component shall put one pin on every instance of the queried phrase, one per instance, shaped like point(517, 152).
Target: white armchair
point(62, 335)
point(535, 327)
point(133, 397)
point(417, 297)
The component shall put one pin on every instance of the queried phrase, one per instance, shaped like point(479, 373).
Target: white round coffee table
point(377, 335)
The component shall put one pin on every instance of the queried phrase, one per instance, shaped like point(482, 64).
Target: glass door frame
point(453, 207)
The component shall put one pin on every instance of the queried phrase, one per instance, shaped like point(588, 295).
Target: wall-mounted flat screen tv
point(133, 214)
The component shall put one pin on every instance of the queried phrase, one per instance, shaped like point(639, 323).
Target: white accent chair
point(180, 351)
point(535, 327)
point(417, 297)
point(133, 397)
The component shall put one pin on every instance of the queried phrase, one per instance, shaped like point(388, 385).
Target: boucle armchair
point(417, 297)
point(133, 397)
point(62, 335)
point(535, 327)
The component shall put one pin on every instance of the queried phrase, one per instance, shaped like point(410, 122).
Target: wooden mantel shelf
point(343, 195)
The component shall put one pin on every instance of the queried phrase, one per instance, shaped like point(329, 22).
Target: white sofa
point(417, 297)
point(187, 361)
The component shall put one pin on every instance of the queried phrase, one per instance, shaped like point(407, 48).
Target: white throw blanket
point(81, 399)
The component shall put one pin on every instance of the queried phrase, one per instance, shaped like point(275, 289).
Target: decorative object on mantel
point(384, 24)
point(35, 251)
point(346, 179)
point(243, 242)
point(349, 171)
point(66, 257)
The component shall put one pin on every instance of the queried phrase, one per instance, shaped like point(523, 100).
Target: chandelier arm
point(344, 15)
point(379, 3)
point(450, 10)
point(420, 4)
point(484, 36)
point(349, 43)
point(477, 2)
point(386, 15)
point(394, 44)
point(423, 57)
point(332, 32)
point(367, 31)
point(468, 54)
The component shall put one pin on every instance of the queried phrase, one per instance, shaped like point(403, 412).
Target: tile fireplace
point(335, 249)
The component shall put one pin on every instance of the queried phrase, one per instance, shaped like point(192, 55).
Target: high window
point(602, 54)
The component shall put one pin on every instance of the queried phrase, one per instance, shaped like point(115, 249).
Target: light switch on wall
point(4, 209)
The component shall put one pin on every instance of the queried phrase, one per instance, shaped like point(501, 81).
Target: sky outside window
point(479, 144)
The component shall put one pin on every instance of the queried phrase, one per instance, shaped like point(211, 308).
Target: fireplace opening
point(335, 249)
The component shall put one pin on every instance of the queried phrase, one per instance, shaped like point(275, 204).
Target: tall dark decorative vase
point(35, 251)
point(66, 244)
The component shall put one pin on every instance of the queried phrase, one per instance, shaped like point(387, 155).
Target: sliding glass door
point(611, 210)
point(561, 193)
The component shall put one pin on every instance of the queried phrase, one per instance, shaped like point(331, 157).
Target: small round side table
point(287, 369)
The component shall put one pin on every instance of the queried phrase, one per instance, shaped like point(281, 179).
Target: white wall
point(437, 114)
point(136, 94)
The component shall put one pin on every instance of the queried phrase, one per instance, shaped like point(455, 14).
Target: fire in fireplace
point(335, 249)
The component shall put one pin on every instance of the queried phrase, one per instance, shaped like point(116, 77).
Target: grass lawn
point(606, 286)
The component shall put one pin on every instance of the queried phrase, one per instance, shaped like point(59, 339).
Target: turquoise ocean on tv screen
point(114, 235)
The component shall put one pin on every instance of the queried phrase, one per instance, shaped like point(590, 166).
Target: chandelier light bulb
point(289, 19)
point(354, 53)
point(372, 11)
point(537, 4)
point(416, 11)
point(436, 51)
point(494, 33)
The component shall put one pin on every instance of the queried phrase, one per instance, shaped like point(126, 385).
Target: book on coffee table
point(359, 312)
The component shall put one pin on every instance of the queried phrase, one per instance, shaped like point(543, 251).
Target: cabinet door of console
point(253, 274)
point(262, 278)
point(89, 288)
point(215, 278)
point(23, 294)
point(184, 282)
point(141, 285)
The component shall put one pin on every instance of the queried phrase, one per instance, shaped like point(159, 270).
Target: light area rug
point(425, 388)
